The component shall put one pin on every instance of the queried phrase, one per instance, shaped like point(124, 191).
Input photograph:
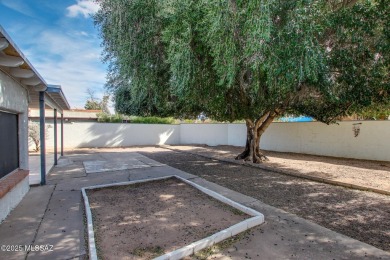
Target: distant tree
point(34, 134)
point(94, 103)
point(104, 104)
point(252, 60)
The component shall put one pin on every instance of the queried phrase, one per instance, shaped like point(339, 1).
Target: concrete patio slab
point(155, 172)
point(86, 156)
point(63, 162)
point(110, 166)
point(74, 170)
point(149, 161)
point(119, 155)
point(92, 179)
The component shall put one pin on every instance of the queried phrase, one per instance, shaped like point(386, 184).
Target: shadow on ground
point(367, 164)
point(357, 214)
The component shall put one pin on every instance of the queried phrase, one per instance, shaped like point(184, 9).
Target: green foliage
point(357, 40)
point(375, 112)
point(92, 105)
point(236, 60)
point(107, 118)
point(152, 120)
point(138, 75)
point(120, 118)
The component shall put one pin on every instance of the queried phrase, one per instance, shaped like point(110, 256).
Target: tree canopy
point(246, 59)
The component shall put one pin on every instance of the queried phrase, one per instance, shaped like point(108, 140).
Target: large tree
point(252, 60)
point(138, 73)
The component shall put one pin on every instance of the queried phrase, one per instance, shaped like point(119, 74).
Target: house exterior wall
point(12, 198)
point(14, 99)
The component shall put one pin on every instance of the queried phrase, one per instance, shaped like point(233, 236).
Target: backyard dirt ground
point(142, 221)
point(373, 174)
point(358, 214)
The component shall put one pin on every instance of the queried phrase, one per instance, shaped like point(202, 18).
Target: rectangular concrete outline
point(111, 170)
point(256, 219)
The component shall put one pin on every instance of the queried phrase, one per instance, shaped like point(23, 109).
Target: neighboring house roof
point(16, 65)
point(69, 114)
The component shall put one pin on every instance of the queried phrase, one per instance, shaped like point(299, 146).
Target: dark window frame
point(9, 143)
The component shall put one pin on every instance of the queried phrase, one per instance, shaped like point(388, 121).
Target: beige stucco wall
point(14, 99)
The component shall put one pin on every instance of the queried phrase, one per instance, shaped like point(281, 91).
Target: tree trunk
point(37, 146)
point(255, 130)
point(249, 137)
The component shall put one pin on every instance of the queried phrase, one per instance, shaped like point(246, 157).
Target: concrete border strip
point(91, 234)
point(256, 219)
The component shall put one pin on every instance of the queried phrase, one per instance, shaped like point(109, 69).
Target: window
point(9, 143)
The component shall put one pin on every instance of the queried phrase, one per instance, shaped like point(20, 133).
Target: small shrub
point(104, 117)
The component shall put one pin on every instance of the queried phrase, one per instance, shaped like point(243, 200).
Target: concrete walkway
point(53, 215)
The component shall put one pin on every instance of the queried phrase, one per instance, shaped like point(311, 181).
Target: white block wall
point(372, 143)
point(87, 134)
point(210, 134)
point(236, 134)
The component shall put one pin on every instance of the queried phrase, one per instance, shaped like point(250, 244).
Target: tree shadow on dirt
point(361, 215)
point(358, 163)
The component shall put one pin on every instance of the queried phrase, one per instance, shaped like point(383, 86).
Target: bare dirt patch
point(358, 214)
point(143, 221)
point(372, 174)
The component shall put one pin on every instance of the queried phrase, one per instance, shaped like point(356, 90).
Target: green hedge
point(152, 120)
point(118, 118)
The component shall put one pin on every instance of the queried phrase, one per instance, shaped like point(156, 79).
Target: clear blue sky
point(60, 40)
